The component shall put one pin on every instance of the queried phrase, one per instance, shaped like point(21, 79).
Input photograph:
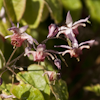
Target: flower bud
point(57, 62)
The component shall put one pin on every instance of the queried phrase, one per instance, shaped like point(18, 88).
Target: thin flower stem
point(63, 60)
point(48, 39)
point(52, 38)
point(53, 92)
point(16, 58)
point(13, 73)
point(11, 55)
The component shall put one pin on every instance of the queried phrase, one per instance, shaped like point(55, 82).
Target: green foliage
point(35, 77)
point(94, 88)
point(15, 9)
point(4, 27)
point(1, 4)
point(74, 6)
point(5, 88)
point(94, 9)
point(2, 60)
point(45, 13)
point(60, 90)
point(33, 13)
point(26, 92)
point(55, 9)
point(38, 14)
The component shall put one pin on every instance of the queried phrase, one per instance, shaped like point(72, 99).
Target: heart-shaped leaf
point(15, 8)
point(33, 13)
point(26, 92)
point(35, 78)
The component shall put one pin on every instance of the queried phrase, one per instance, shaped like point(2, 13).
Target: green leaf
point(33, 13)
point(45, 13)
point(4, 27)
point(94, 88)
point(1, 4)
point(55, 10)
point(75, 7)
point(5, 88)
point(26, 92)
point(60, 90)
point(35, 78)
point(15, 8)
point(94, 9)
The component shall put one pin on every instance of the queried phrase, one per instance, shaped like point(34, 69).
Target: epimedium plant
point(40, 81)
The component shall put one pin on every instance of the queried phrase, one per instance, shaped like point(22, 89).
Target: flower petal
point(69, 20)
point(90, 42)
point(27, 49)
point(41, 47)
point(23, 29)
point(2, 12)
point(67, 51)
point(27, 37)
point(51, 74)
point(84, 47)
point(57, 62)
point(63, 46)
point(71, 36)
point(14, 30)
point(8, 36)
point(53, 30)
point(81, 20)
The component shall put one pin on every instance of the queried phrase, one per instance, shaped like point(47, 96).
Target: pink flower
point(71, 29)
point(53, 30)
point(19, 36)
point(76, 51)
point(41, 53)
point(52, 75)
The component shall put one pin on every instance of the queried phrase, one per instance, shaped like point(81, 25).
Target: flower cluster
point(39, 51)
point(71, 31)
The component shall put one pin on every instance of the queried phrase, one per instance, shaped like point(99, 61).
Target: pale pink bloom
point(52, 75)
point(53, 30)
point(71, 29)
point(41, 53)
point(76, 51)
point(27, 49)
point(19, 36)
